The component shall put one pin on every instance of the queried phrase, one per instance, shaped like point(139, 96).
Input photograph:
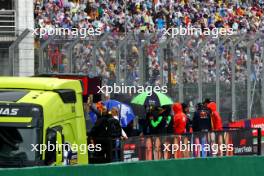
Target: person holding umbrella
point(162, 122)
point(155, 117)
point(157, 121)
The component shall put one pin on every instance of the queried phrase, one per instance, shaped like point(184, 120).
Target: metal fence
point(227, 69)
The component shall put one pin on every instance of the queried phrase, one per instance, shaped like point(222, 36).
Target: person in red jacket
point(179, 119)
point(217, 124)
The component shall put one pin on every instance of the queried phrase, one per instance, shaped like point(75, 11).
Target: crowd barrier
point(231, 166)
point(229, 142)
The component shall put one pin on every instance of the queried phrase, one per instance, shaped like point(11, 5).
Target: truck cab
point(41, 120)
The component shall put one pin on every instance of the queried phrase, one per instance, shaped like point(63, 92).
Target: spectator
point(145, 17)
point(201, 119)
point(114, 134)
point(99, 135)
point(107, 132)
point(56, 60)
point(215, 117)
point(114, 112)
point(144, 123)
point(179, 119)
point(168, 117)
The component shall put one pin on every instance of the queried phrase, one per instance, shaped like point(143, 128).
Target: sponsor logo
point(244, 149)
point(243, 142)
point(9, 111)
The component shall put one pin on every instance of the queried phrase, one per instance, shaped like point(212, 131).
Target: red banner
point(238, 124)
point(257, 123)
point(252, 123)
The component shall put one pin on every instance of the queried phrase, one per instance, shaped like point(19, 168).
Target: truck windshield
point(15, 144)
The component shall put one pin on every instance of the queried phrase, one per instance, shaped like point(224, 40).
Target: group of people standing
point(161, 120)
point(164, 120)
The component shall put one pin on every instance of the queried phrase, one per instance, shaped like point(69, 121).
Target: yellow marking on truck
point(15, 119)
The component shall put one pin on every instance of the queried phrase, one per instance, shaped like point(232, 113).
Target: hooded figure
point(215, 117)
point(179, 119)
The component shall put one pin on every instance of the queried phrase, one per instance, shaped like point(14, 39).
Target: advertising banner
point(252, 123)
point(195, 145)
point(243, 142)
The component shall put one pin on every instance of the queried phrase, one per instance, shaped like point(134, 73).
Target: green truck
point(42, 122)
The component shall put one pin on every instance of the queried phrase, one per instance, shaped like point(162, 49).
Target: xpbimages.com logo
point(190, 147)
point(190, 31)
point(82, 148)
point(81, 32)
point(122, 89)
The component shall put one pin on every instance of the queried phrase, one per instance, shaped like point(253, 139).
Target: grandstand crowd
point(146, 19)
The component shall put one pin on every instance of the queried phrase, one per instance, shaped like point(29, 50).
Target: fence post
point(161, 54)
point(217, 85)
point(169, 63)
point(180, 67)
point(118, 52)
point(94, 58)
point(118, 64)
point(42, 47)
point(125, 62)
point(164, 52)
point(233, 76)
point(12, 51)
point(233, 85)
point(262, 82)
point(141, 62)
point(248, 81)
point(259, 140)
point(41, 62)
point(71, 47)
point(200, 76)
point(11, 59)
point(250, 104)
